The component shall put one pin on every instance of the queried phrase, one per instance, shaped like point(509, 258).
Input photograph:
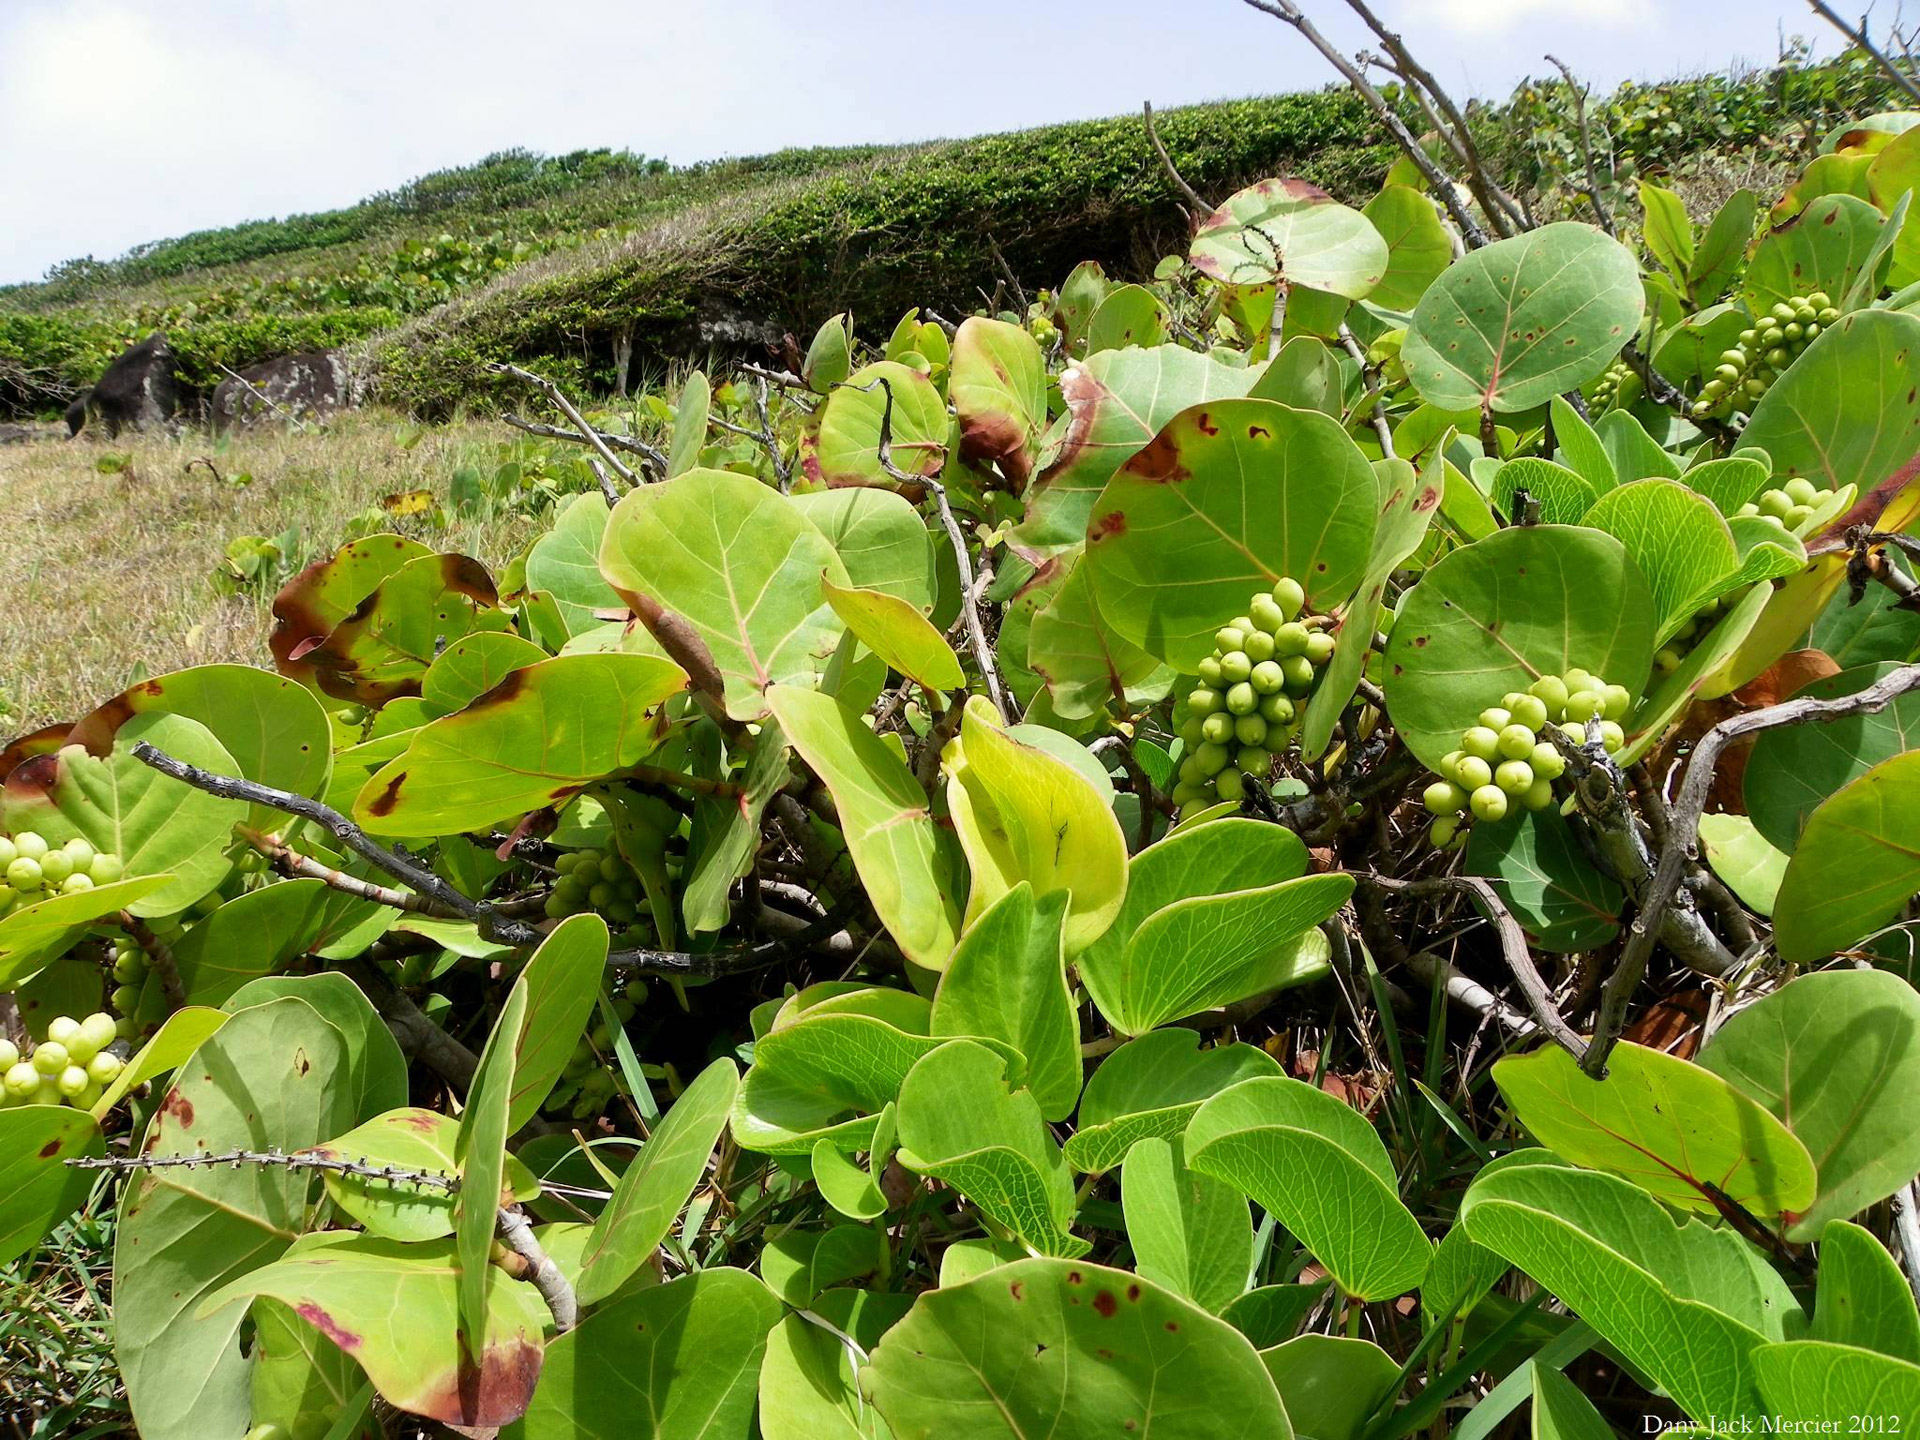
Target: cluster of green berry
point(1789, 507)
point(1502, 760)
point(1746, 371)
point(588, 1083)
point(31, 868)
point(129, 974)
point(72, 1066)
point(602, 882)
point(1244, 710)
point(1618, 388)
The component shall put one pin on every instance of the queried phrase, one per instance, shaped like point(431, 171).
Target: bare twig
point(653, 458)
point(605, 481)
point(1858, 35)
point(1370, 377)
point(292, 863)
point(554, 393)
point(545, 1276)
point(1006, 270)
point(300, 1160)
point(1513, 946)
point(1579, 92)
point(1200, 207)
point(1683, 842)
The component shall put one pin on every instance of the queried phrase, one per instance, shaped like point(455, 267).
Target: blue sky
point(128, 120)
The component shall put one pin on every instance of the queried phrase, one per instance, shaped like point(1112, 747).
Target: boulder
point(293, 387)
point(138, 391)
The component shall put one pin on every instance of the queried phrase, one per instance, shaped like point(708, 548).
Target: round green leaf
point(734, 560)
point(537, 739)
point(383, 648)
point(1553, 890)
point(1331, 1384)
point(1293, 232)
point(1087, 667)
point(1150, 1088)
point(1189, 1232)
point(844, 449)
point(1026, 1346)
point(1673, 1128)
point(1813, 1387)
point(36, 1141)
point(1129, 315)
point(999, 391)
point(1741, 856)
point(1318, 1167)
point(1418, 245)
point(407, 1139)
point(1857, 863)
point(1229, 496)
point(1677, 539)
point(1833, 1057)
point(1496, 615)
point(879, 537)
point(1824, 247)
point(565, 562)
point(1522, 320)
point(473, 665)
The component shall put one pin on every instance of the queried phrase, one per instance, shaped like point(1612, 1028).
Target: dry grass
point(105, 577)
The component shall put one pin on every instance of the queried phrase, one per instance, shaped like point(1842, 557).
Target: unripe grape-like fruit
point(1584, 705)
point(24, 875)
point(1235, 667)
point(1191, 730)
point(1275, 709)
point(62, 1029)
point(1267, 614)
point(1489, 803)
point(72, 1080)
point(1203, 701)
point(556, 907)
point(1259, 646)
point(1289, 595)
point(30, 844)
point(1291, 639)
point(105, 1067)
point(1775, 502)
point(1612, 736)
point(1298, 671)
point(9, 1055)
point(1443, 797)
point(1517, 742)
point(1442, 831)
point(1319, 648)
point(1539, 795)
point(1481, 742)
point(55, 866)
point(1267, 678)
point(1527, 710)
point(1253, 759)
point(50, 1057)
point(1241, 699)
point(1666, 659)
point(99, 1028)
point(1229, 785)
point(9, 852)
point(1515, 777)
point(1449, 762)
point(1801, 491)
point(124, 999)
point(1250, 729)
point(1229, 638)
point(1618, 701)
point(1547, 762)
point(21, 1080)
point(1551, 691)
point(1472, 773)
point(1209, 669)
point(1577, 680)
point(1496, 717)
point(1217, 728)
point(1213, 758)
point(75, 883)
point(106, 869)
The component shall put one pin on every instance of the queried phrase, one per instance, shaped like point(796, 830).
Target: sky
point(123, 121)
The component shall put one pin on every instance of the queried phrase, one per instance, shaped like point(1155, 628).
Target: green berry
point(9, 1054)
point(1472, 773)
point(1618, 700)
point(1577, 680)
point(1210, 671)
point(49, 1057)
point(1267, 678)
point(1229, 638)
point(24, 875)
point(72, 1080)
point(1253, 760)
point(124, 999)
point(62, 1029)
point(1775, 502)
point(1289, 595)
point(1551, 691)
point(1496, 717)
point(1299, 674)
point(1517, 742)
point(31, 845)
point(21, 1080)
point(1481, 742)
point(98, 1027)
point(1191, 730)
point(1547, 762)
point(1235, 666)
point(1213, 758)
point(9, 852)
point(1489, 803)
point(1319, 648)
point(1666, 660)
point(1442, 831)
point(1292, 639)
point(1229, 785)
point(1241, 699)
point(1250, 729)
point(81, 852)
point(75, 883)
point(1539, 795)
point(1528, 710)
point(1275, 709)
point(1259, 646)
point(106, 869)
point(1203, 701)
point(1267, 614)
point(1443, 797)
point(1217, 728)
point(1612, 736)
point(1585, 705)
point(1515, 777)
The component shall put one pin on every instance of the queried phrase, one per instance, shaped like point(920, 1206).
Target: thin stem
point(554, 393)
point(1200, 207)
point(1858, 35)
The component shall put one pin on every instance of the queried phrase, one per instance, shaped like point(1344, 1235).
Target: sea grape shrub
point(1253, 688)
point(1507, 762)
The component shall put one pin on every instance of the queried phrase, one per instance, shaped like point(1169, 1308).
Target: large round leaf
point(1057, 1347)
point(156, 825)
point(1682, 547)
point(537, 738)
point(999, 392)
point(1418, 245)
point(1229, 496)
point(1835, 1057)
point(1293, 232)
point(565, 562)
point(1498, 614)
point(1318, 1167)
point(879, 537)
point(383, 648)
point(1794, 768)
point(1817, 1388)
point(1522, 320)
point(1847, 412)
point(326, 592)
point(738, 563)
point(36, 1141)
point(1554, 891)
point(844, 448)
point(1824, 247)
point(1671, 1127)
point(1150, 1087)
point(1857, 863)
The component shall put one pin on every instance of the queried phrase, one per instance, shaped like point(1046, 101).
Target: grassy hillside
point(550, 260)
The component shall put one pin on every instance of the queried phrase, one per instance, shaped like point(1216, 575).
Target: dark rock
point(293, 387)
point(138, 391)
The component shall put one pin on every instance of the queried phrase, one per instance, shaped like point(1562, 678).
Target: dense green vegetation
point(1316, 843)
